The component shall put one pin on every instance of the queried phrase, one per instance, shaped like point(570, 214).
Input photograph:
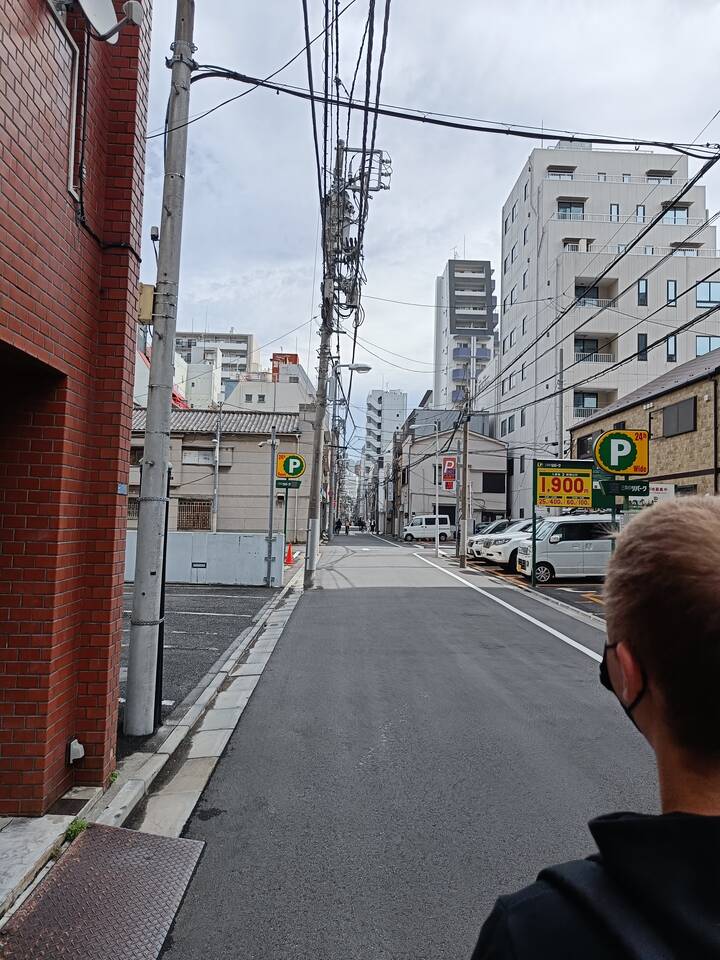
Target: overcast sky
point(642, 68)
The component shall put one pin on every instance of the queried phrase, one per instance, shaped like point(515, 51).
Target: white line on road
point(199, 613)
point(389, 543)
point(526, 616)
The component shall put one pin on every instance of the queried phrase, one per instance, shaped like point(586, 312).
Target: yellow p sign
point(289, 466)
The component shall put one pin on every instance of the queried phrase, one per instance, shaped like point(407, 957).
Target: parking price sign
point(563, 483)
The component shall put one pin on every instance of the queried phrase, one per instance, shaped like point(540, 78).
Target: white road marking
point(199, 613)
point(388, 543)
point(525, 616)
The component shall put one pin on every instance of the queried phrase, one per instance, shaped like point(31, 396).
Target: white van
point(423, 528)
point(575, 546)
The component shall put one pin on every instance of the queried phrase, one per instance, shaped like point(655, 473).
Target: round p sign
point(623, 452)
point(290, 466)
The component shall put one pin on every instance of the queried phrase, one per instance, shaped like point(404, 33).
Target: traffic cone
point(289, 555)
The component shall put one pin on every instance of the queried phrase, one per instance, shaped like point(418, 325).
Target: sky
point(633, 68)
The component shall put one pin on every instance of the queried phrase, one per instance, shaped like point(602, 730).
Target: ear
point(631, 677)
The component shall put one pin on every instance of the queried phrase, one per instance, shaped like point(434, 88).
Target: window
point(524, 236)
point(505, 305)
point(649, 251)
point(261, 398)
point(136, 454)
point(685, 489)
point(522, 417)
point(514, 211)
point(559, 173)
point(586, 346)
point(586, 401)
point(620, 425)
point(522, 463)
point(675, 215)
point(672, 293)
point(640, 213)
point(503, 387)
point(193, 514)
point(505, 228)
point(602, 177)
point(133, 508)
point(642, 346)
point(614, 212)
point(705, 344)
point(626, 178)
point(195, 458)
point(522, 513)
point(513, 253)
point(248, 398)
point(511, 423)
point(685, 252)
point(707, 294)
point(671, 349)
point(493, 482)
point(642, 293)
point(585, 447)
point(513, 295)
point(505, 265)
point(505, 345)
point(503, 427)
point(522, 371)
point(679, 418)
point(512, 338)
point(294, 379)
point(524, 325)
point(510, 467)
point(525, 189)
point(524, 280)
point(570, 210)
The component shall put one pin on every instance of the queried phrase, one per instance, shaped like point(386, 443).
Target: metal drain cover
point(112, 896)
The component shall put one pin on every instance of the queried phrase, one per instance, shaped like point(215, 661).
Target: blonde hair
point(662, 597)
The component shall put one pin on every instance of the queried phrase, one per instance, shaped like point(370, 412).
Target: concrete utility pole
point(464, 493)
point(146, 617)
point(271, 510)
point(561, 430)
point(333, 487)
point(216, 471)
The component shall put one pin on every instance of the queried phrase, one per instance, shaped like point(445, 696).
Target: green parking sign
point(623, 452)
point(289, 466)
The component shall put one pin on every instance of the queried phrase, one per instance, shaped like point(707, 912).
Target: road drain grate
point(112, 896)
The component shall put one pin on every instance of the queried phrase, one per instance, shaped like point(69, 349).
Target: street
point(415, 747)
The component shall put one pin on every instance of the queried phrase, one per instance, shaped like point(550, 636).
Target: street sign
point(289, 466)
point(449, 473)
point(623, 452)
point(626, 488)
point(563, 483)
point(284, 484)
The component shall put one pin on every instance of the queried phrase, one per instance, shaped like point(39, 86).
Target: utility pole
point(271, 510)
point(438, 480)
point(457, 498)
point(146, 616)
point(464, 493)
point(561, 442)
point(216, 472)
point(333, 505)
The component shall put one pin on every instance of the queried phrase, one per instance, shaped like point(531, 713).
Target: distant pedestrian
point(361, 524)
point(338, 526)
point(652, 890)
point(372, 526)
point(347, 528)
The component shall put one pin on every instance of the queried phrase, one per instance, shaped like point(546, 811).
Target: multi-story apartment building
point(284, 389)
point(237, 351)
point(386, 413)
point(569, 215)
point(465, 321)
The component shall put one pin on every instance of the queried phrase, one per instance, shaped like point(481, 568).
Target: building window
point(493, 482)
point(505, 265)
point(505, 229)
point(512, 382)
point(195, 458)
point(133, 508)
point(294, 379)
point(522, 513)
point(671, 349)
point(626, 178)
point(522, 417)
point(525, 189)
point(679, 418)
point(642, 293)
point(505, 305)
point(522, 371)
point(248, 398)
point(511, 424)
point(585, 447)
point(512, 337)
point(524, 325)
point(685, 252)
point(136, 454)
point(514, 211)
point(602, 177)
point(676, 215)
point(560, 173)
point(705, 344)
point(524, 236)
point(672, 293)
point(640, 213)
point(513, 295)
point(620, 425)
point(685, 489)
point(707, 294)
point(649, 251)
point(571, 210)
point(524, 280)
point(194, 514)
point(614, 212)
point(503, 427)
point(513, 253)
point(642, 346)
point(505, 345)
point(522, 463)
point(261, 398)
point(585, 401)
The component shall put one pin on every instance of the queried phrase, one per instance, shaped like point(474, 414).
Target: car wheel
point(544, 572)
point(408, 538)
point(443, 537)
point(512, 562)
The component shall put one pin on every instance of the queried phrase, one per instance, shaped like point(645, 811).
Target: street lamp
point(436, 426)
point(353, 368)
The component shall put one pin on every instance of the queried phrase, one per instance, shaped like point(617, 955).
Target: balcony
point(458, 396)
point(594, 358)
point(580, 413)
point(461, 353)
point(622, 219)
point(595, 302)
point(459, 375)
point(470, 293)
point(482, 353)
point(618, 178)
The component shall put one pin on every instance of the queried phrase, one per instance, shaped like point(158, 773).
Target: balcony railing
point(459, 375)
point(617, 178)
point(639, 251)
point(595, 302)
point(607, 218)
point(461, 353)
point(580, 413)
point(594, 358)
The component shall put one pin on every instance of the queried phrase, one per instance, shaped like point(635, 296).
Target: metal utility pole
point(464, 493)
point(561, 442)
point(333, 488)
point(438, 480)
point(216, 472)
point(146, 616)
point(271, 510)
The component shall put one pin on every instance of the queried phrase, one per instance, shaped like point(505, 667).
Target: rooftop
point(697, 369)
point(205, 421)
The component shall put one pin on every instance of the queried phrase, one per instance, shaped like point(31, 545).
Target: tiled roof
point(697, 369)
point(233, 422)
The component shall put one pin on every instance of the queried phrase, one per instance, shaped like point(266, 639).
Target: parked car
point(576, 546)
point(504, 549)
point(474, 544)
point(423, 528)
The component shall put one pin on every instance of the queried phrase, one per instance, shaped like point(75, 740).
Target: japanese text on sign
point(563, 483)
point(449, 472)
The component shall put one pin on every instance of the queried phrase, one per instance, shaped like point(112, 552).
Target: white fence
point(238, 559)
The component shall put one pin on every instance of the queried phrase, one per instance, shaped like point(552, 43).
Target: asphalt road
point(413, 750)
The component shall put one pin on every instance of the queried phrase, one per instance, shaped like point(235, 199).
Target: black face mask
point(607, 683)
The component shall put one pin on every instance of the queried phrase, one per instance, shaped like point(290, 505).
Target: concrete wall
point(218, 558)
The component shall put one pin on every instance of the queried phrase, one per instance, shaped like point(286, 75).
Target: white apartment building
point(237, 350)
point(386, 413)
point(569, 214)
point(465, 321)
point(281, 390)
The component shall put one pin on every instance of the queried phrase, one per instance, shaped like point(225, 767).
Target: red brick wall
point(67, 334)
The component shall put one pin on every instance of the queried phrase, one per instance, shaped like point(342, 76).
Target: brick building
point(69, 275)
point(680, 410)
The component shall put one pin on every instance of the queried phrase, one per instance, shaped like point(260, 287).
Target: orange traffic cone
point(289, 556)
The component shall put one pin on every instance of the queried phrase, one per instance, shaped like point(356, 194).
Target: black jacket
point(662, 877)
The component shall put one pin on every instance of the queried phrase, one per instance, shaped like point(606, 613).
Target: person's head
point(662, 602)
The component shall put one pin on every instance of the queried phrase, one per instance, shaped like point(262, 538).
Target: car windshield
point(492, 527)
point(544, 529)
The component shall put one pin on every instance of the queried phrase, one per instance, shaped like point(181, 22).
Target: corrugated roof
point(697, 369)
point(235, 422)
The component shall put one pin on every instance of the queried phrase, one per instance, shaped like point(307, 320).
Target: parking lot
point(200, 624)
point(585, 594)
